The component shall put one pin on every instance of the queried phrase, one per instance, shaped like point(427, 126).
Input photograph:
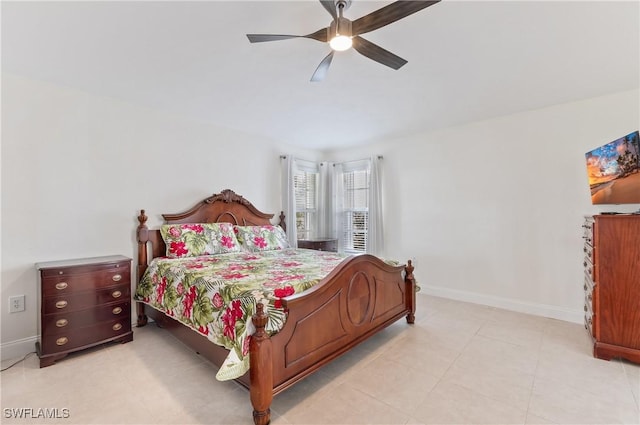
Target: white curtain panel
point(375, 239)
point(288, 165)
point(338, 205)
point(326, 202)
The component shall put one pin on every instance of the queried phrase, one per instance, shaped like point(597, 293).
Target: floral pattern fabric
point(193, 240)
point(261, 238)
point(216, 295)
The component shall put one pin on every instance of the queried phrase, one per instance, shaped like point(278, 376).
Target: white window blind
point(355, 209)
point(306, 193)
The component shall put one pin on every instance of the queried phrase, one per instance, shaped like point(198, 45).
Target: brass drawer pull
point(116, 277)
point(61, 304)
point(585, 308)
point(62, 341)
point(116, 294)
point(61, 323)
point(116, 327)
point(61, 285)
point(117, 310)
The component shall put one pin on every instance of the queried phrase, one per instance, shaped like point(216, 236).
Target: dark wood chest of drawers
point(612, 285)
point(83, 303)
point(321, 244)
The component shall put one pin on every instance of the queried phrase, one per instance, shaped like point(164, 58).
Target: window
point(355, 210)
point(306, 188)
point(335, 200)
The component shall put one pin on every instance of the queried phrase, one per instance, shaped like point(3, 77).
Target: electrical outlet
point(16, 304)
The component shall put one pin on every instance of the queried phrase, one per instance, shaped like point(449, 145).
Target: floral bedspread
point(216, 295)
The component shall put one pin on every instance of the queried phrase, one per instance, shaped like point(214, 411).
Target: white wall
point(491, 211)
point(76, 170)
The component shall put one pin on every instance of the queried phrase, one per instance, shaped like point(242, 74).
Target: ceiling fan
point(343, 34)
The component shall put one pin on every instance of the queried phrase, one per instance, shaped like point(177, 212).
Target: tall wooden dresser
point(83, 303)
point(612, 285)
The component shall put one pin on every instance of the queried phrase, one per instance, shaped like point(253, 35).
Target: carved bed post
point(282, 223)
point(143, 238)
point(411, 292)
point(260, 369)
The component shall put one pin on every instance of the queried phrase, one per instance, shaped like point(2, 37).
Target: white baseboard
point(544, 310)
point(18, 348)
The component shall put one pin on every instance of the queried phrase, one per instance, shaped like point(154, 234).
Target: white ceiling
point(468, 60)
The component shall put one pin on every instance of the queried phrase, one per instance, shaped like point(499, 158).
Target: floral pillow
point(261, 238)
point(192, 240)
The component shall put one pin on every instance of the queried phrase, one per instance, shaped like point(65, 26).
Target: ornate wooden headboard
point(224, 207)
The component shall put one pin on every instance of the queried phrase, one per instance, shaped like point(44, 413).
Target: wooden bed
point(356, 300)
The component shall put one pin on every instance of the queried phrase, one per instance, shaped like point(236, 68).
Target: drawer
point(330, 245)
point(64, 322)
point(589, 252)
point(589, 269)
point(86, 299)
point(588, 284)
point(587, 231)
point(588, 303)
point(66, 283)
point(589, 324)
point(85, 336)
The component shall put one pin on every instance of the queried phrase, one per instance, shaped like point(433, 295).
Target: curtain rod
point(355, 160)
point(285, 157)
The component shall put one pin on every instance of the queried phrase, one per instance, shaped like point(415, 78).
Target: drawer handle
point(61, 285)
point(61, 304)
point(62, 341)
point(116, 327)
point(116, 294)
point(585, 287)
point(61, 323)
point(116, 277)
point(117, 310)
point(585, 308)
point(584, 264)
point(590, 297)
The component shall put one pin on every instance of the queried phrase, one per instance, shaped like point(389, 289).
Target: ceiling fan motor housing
point(341, 26)
point(342, 3)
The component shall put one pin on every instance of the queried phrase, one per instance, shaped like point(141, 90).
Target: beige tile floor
point(459, 364)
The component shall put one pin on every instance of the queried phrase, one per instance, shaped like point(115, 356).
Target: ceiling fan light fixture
point(341, 30)
point(340, 43)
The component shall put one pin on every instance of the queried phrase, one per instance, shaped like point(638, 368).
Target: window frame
point(306, 181)
point(355, 236)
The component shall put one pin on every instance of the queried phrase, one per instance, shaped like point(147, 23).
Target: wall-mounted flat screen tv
point(614, 171)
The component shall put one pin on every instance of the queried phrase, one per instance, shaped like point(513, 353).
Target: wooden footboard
point(360, 297)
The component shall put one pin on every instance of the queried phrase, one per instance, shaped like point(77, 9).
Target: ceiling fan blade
point(323, 68)
point(320, 35)
point(388, 14)
point(377, 53)
point(330, 6)
point(259, 38)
